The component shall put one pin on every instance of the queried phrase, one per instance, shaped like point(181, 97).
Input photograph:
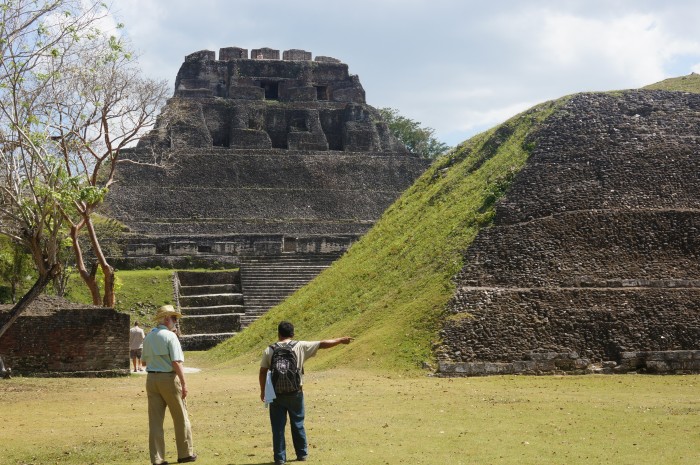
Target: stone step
point(212, 310)
point(203, 341)
point(194, 278)
point(261, 277)
point(208, 300)
point(262, 299)
point(255, 313)
point(206, 324)
point(210, 289)
point(277, 280)
point(283, 270)
point(265, 300)
point(278, 266)
point(264, 286)
point(287, 258)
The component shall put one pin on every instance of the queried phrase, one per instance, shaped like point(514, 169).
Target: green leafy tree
point(16, 267)
point(419, 140)
point(71, 98)
point(98, 107)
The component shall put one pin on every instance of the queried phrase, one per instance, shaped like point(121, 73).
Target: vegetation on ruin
point(418, 139)
point(358, 417)
point(689, 83)
point(391, 288)
point(138, 292)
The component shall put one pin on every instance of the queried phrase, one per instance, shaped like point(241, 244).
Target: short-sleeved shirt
point(136, 337)
point(303, 349)
point(160, 349)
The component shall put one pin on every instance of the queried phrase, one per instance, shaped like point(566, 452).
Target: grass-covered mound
point(390, 289)
point(689, 83)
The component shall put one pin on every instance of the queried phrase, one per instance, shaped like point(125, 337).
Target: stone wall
point(265, 76)
point(261, 193)
point(234, 202)
point(659, 362)
point(56, 338)
point(594, 248)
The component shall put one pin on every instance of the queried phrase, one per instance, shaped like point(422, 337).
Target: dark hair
point(285, 329)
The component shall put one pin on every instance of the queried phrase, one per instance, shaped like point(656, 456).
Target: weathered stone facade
point(593, 253)
point(58, 338)
point(259, 155)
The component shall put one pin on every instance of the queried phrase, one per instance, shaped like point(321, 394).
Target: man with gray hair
point(166, 387)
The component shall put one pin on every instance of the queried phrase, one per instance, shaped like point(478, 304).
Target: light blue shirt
point(160, 349)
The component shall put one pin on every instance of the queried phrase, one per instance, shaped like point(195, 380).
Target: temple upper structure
point(264, 102)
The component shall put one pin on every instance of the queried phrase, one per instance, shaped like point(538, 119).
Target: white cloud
point(454, 66)
point(635, 47)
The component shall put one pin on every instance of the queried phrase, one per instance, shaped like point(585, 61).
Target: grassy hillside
point(390, 289)
point(689, 83)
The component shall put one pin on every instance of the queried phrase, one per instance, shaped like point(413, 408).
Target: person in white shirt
point(136, 337)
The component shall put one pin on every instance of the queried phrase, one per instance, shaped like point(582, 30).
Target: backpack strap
point(289, 344)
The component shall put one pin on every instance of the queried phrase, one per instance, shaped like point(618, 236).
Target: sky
point(457, 66)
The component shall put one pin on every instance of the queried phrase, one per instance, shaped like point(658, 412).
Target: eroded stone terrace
point(593, 253)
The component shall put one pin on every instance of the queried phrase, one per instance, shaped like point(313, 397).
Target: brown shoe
point(191, 458)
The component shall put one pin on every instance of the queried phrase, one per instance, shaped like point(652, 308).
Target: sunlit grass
point(390, 289)
point(361, 417)
point(689, 83)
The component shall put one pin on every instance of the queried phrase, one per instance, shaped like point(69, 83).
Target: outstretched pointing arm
point(328, 343)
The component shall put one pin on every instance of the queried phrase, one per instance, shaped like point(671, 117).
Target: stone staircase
point(267, 280)
point(212, 304)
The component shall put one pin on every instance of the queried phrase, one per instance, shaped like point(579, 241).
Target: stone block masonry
point(57, 338)
point(592, 256)
point(257, 155)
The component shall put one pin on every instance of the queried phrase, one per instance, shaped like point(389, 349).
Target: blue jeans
point(292, 404)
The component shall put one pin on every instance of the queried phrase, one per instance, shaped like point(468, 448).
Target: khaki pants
point(164, 390)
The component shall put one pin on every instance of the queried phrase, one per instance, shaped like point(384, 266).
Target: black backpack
point(284, 369)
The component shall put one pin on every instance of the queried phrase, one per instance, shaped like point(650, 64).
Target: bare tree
point(99, 107)
point(71, 99)
point(31, 34)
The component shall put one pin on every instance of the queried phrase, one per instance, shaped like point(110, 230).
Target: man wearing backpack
point(284, 362)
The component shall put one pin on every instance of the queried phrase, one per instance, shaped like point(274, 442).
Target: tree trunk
point(108, 300)
point(88, 278)
point(107, 269)
point(29, 297)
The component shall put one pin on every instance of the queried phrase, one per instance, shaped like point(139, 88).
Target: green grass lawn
point(365, 417)
point(138, 292)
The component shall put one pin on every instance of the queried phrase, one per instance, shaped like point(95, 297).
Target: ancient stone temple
point(591, 262)
point(259, 158)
